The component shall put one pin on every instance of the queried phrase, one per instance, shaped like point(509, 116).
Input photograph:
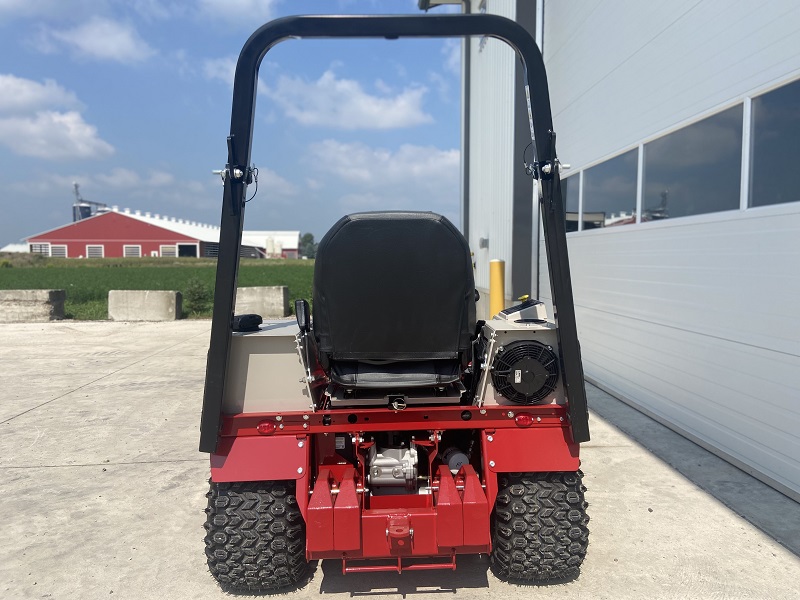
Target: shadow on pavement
point(773, 513)
point(472, 572)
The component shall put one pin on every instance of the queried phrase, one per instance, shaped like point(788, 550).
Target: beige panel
point(265, 373)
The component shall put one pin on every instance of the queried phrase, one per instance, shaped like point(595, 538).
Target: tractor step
point(399, 567)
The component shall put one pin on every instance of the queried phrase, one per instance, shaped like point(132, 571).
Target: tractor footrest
point(399, 567)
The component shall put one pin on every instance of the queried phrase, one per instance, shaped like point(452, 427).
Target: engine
point(395, 468)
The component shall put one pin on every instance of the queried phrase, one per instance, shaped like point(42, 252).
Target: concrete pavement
point(103, 488)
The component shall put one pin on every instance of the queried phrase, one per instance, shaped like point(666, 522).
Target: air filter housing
point(525, 371)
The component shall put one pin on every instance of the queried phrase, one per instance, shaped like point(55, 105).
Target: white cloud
point(120, 178)
point(50, 134)
point(17, 9)
point(220, 69)
point(246, 14)
point(452, 56)
point(409, 178)
point(30, 125)
point(358, 163)
point(19, 95)
point(270, 185)
point(344, 104)
point(100, 39)
point(157, 9)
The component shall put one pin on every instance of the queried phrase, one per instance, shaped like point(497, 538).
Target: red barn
point(113, 234)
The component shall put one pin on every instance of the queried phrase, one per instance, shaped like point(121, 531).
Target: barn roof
point(288, 240)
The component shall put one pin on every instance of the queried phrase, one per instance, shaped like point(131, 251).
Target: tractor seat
point(394, 301)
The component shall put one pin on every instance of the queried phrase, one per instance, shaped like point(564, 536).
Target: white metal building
point(681, 122)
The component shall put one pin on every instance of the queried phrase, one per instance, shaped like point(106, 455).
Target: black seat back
point(393, 286)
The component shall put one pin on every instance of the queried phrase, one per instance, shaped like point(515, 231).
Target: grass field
point(88, 281)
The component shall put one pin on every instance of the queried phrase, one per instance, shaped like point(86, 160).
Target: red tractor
point(388, 428)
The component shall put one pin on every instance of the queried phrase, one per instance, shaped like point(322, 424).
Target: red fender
point(260, 458)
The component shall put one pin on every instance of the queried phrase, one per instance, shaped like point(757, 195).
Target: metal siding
point(697, 324)
point(621, 73)
point(692, 320)
point(491, 147)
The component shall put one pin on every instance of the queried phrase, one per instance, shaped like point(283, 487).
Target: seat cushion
point(395, 286)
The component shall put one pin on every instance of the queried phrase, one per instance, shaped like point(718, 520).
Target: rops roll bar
point(238, 175)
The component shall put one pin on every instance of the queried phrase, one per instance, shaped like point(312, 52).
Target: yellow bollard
point(497, 286)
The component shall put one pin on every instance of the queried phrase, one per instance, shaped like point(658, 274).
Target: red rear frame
point(344, 522)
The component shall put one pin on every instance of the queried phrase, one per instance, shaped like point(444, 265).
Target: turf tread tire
point(255, 536)
point(539, 526)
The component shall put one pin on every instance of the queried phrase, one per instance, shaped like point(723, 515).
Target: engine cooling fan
point(525, 372)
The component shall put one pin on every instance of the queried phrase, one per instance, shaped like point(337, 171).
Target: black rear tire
point(255, 536)
point(539, 530)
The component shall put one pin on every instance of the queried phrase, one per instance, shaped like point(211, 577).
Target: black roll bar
point(237, 177)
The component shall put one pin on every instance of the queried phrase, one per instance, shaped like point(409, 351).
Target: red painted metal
point(347, 515)
point(261, 458)
point(429, 418)
point(377, 543)
point(401, 501)
point(319, 517)
point(400, 534)
point(399, 568)
point(475, 509)
point(346, 524)
point(449, 513)
point(529, 450)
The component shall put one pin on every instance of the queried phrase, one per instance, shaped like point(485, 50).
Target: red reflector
point(265, 427)
point(523, 420)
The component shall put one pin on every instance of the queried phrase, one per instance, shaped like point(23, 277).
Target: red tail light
point(523, 420)
point(266, 427)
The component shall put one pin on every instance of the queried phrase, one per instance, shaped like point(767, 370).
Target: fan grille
point(525, 372)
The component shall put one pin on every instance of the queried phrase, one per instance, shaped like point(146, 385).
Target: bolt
point(510, 414)
point(491, 463)
point(305, 417)
point(538, 419)
point(300, 444)
point(279, 418)
point(561, 419)
point(489, 438)
point(483, 411)
point(238, 173)
point(280, 426)
point(299, 470)
point(305, 425)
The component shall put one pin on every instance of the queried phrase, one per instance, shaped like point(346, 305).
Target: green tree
point(307, 246)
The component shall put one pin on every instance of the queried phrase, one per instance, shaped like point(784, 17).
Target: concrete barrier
point(269, 302)
point(144, 305)
point(31, 306)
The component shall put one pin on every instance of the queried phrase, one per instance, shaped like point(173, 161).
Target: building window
point(40, 249)
point(94, 251)
point(570, 194)
point(169, 251)
point(609, 192)
point(774, 176)
point(59, 251)
point(187, 250)
point(694, 170)
point(132, 251)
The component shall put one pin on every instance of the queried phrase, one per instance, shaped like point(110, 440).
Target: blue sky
point(131, 99)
